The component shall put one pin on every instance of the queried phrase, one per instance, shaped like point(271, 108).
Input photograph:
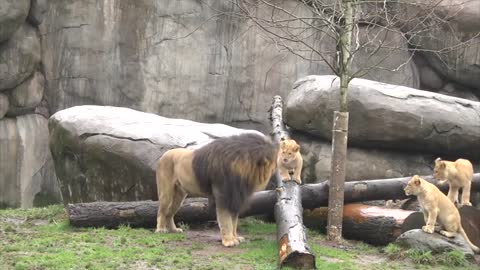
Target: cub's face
point(440, 170)
point(413, 186)
point(288, 151)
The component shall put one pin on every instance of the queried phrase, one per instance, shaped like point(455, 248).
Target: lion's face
point(440, 171)
point(413, 186)
point(288, 151)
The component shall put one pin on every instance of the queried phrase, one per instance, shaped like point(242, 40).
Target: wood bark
point(293, 249)
point(144, 213)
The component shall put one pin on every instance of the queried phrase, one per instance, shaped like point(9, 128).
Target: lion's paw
point(230, 242)
point(427, 229)
point(176, 230)
point(163, 230)
point(240, 239)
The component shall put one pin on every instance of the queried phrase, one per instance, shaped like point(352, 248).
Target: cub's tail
point(474, 248)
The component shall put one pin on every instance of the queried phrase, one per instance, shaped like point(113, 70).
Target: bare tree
point(360, 32)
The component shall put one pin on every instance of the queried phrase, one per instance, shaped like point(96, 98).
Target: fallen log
point(371, 224)
point(144, 213)
point(293, 249)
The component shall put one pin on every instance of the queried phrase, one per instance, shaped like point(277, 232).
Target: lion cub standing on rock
point(437, 207)
point(458, 174)
point(290, 160)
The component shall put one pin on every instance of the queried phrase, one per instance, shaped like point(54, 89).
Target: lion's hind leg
point(178, 199)
point(166, 192)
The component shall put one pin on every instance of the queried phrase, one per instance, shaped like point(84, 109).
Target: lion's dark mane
point(212, 165)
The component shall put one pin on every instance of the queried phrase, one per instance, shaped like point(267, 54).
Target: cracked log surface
point(104, 153)
point(144, 213)
point(293, 249)
point(388, 116)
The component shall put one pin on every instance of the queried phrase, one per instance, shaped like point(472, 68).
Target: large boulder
point(169, 57)
point(4, 105)
point(26, 96)
point(387, 116)
point(12, 16)
point(27, 175)
point(436, 243)
point(362, 164)
point(19, 57)
point(110, 153)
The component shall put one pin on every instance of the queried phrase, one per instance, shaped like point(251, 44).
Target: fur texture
point(458, 174)
point(436, 207)
point(290, 161)
point(228, 170)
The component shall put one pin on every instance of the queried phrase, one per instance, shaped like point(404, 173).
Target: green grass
point(41, 238)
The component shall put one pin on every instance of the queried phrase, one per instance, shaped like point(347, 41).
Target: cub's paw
point(467, 204)
point(299, 181)
point(427, 229)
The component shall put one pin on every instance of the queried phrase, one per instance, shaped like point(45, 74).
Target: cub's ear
point(296, 147)
point(437, 160)
point(416, 180)
point(283, 143)
point(443, 165)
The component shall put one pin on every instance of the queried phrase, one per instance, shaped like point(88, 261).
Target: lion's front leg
point(453, 193)
point(225, 222)
point(238, 238)
point(466, 195)
point(432, 218)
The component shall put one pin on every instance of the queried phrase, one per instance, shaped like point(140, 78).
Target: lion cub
point(458, 174)
point(437, 207)
point(290, 160)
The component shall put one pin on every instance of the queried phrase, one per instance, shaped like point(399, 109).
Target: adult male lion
point(228, 170)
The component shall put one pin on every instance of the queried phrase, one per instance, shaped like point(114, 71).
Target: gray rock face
point(387, 116)
point(110, 153)
point(376, 67)
point(12, 16)
point(37, 13)
point(362, 164)
point(4, 105)
point(152, 56)
point(435, 242)
point(26, 96)
point(27, 175)
point(19, 56)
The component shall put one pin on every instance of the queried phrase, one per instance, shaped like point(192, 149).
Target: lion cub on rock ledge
point(290, 160)
point(458, 174)
point(437, 207)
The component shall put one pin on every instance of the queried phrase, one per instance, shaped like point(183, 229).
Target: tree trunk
point(144, 213)
point(340, 127)
point(291, 237)
point(338, 168)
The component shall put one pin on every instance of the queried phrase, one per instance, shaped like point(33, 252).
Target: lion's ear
point(263, 162)
point(437, 160)
point(443, 165)
point(283, 143)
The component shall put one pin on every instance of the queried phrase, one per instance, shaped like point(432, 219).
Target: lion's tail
point(474, 248)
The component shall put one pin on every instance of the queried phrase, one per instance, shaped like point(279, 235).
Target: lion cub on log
point(290, 160)
point(458, 174)
point(228, 169)
point(437, 207)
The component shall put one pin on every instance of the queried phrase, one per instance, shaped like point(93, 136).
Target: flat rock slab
point(110, 153)
point(387, 116)
point(435, 242)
